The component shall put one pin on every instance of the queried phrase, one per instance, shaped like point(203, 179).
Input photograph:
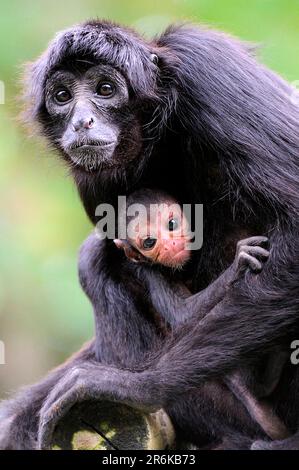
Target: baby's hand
point(251, 253)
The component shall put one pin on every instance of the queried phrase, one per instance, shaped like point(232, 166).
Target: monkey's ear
point(130, 252)
point(121, 244)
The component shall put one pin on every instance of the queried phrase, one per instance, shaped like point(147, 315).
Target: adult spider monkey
point(191, 112)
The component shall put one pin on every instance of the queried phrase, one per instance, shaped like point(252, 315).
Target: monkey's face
point(90, 118)
point(163, 238)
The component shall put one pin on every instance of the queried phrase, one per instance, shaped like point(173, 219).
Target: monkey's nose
point(83, 124)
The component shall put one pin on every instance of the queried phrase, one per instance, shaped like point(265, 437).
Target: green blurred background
point(43, 313)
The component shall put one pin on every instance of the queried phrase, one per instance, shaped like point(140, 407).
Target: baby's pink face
point(164, 237)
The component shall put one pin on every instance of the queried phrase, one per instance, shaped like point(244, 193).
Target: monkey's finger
point(256, 251)
point(82, 382)
point(246, 260)
point(51, 418)
point(253, 241)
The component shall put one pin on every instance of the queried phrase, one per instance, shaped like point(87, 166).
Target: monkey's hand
point(251, 253)
point(91, 380)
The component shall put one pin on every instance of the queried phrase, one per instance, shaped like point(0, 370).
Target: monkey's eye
point(62, 96)
point(172, 225)
point(105, 89)
point(149, 243)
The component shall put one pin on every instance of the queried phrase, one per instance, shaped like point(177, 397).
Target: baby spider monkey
point(160, 235)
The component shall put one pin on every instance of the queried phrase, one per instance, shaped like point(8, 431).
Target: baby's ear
point(121, 244)
point(130, 252)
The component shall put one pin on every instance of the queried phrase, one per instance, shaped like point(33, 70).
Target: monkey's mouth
point(91, 155)
point(81, 145)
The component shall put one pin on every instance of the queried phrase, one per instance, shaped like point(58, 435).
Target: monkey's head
point(89, 92)
point(159, 233)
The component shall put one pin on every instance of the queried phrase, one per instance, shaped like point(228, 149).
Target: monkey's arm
point(177, 307)
point(123, 333)
point(123, 336)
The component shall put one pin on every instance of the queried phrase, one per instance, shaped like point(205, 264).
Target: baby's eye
point(173, 225)
point(149, 243)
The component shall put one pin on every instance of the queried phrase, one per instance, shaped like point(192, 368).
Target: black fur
point(220, 129)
